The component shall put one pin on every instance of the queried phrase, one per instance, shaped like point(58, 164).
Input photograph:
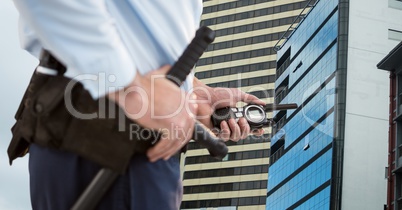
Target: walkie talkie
point(256, 115)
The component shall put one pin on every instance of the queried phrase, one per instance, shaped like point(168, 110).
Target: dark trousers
point(58, 178)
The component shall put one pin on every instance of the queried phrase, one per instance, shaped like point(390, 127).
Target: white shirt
point(99, 38)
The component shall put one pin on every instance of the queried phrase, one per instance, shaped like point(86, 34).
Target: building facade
point(331, 152)
point(393, 63)
point(301, 148)
point(242, 56)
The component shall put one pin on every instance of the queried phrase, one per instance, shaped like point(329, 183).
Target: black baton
point(103, 180)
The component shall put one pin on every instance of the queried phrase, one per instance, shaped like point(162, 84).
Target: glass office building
point(301, 148)
point(331, 152)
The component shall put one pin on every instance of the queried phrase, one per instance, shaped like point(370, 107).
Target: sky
point(16, 67)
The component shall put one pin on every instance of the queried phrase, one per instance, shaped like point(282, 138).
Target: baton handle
point(178, 73)
point(99, 185)
point(184, 65)
point(216, 147)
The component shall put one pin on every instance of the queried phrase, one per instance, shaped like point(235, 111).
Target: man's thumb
point(163, 70)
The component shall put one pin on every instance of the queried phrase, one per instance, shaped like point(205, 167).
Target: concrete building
point(242, 56)
point(331, 152)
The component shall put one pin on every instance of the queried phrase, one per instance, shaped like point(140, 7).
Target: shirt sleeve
point(84, 37)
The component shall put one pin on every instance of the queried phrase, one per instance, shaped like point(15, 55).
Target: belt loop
point(47, 60)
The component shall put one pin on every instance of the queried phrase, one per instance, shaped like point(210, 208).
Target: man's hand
point(210, 99)
point(156, 103)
